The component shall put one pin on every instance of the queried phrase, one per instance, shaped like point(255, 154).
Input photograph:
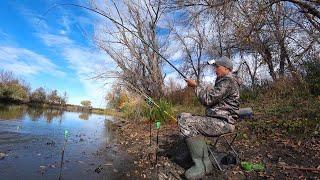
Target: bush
point(313, 76)
point(38, 96)
point(162, 113)
point(247, 95)
point(14, 91)
point(117, 98)
point(184, 96)
point(132, 108)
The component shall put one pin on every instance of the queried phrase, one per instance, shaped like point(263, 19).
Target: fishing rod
point(123, 26)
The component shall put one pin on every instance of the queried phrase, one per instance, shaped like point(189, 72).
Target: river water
point(32, 139)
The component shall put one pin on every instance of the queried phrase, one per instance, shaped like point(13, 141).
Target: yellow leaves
point(247, 39)
point(123, 98)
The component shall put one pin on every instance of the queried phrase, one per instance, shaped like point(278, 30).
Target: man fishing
point(222, 110)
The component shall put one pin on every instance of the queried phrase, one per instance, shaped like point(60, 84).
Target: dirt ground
point(284, 156)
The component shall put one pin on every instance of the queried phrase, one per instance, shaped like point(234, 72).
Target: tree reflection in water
point(50, 114)
point(84, 116)
point(35, 113)
point(12, 112)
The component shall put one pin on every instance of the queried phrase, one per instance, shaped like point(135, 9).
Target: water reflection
point(84, 116)
point(35, 113)
point(108, 130)
point(18, 112)
point(12, 112)
point(50, 114)
point(33, 137)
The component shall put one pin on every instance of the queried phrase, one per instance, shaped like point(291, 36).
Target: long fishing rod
point(120, 24)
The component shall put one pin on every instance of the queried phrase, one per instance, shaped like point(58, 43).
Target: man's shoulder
point(227, 78)
point(230, 80)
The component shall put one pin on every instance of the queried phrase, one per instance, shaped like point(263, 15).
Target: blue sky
point(54, 51)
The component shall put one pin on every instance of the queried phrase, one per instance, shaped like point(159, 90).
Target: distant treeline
point(13, 89)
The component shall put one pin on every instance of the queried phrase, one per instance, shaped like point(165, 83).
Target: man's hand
point(191, 83)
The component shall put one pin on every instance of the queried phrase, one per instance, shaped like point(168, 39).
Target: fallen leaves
point(275, 150)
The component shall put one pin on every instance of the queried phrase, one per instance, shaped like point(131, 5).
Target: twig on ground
point(301, 168)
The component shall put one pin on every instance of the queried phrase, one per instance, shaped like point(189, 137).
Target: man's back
point(222, 101)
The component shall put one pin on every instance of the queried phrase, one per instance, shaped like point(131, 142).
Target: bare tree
point(249, 67)
point(140, 65)
point(193, 43)
point(282, 32)
point(309, 8)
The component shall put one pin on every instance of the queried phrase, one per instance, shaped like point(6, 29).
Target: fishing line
point(120, 24)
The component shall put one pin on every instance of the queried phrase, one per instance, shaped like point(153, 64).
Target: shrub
point(14, 91)
point(132, 108)
point(184, 96)
point(162, 113)
point(247, 95)
point(313, 76)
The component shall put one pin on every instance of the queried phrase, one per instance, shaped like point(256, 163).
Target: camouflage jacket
point(221, 101)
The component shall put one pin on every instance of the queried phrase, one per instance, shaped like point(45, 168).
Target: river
point(32, 139)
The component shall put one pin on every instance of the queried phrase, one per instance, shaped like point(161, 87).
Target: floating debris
point(19, 128)
point(98, 169)
point(81, 162)
point(2, 155)
point(51, 143)
point(108, 164)
point(42, 169)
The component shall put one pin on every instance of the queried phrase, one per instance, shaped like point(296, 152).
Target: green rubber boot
point(200, 156)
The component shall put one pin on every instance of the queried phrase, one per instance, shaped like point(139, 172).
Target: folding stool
point(212, 146)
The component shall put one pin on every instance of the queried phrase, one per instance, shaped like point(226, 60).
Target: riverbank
point(284, 136)
point(65, 107)
point(283, 155)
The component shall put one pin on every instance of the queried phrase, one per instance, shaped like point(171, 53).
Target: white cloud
point(3, 35)
point(86, 62)
point(62, 32)
point(176, 78)
point(51, 39)
point(25, 62)
point(66, 23)
point(209, 78)
point(6, 39)
point(34, 18)
point(174, 52)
